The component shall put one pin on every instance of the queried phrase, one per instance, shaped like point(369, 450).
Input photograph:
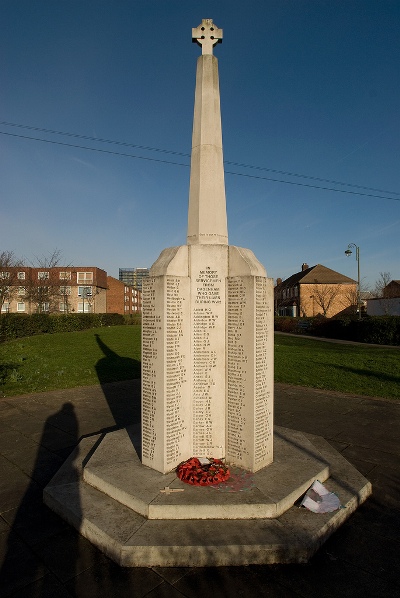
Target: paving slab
point(327, 573)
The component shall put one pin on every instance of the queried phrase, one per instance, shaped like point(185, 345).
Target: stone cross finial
point(207, 35)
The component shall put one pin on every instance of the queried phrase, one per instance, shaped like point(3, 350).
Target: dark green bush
point(285, 324)
point(133, 319)
point(379, 330)
point(19, 325)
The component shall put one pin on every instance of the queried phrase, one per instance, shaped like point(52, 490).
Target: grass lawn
point(69, 359)
point(66, 360)
point(358, 369)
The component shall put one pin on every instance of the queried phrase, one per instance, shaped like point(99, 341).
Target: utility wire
point(165, 151)
point(92, 149)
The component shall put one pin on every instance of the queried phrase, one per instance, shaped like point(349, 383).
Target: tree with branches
point(325, 295)
point(44, 288)
point(8, 277)
point(381, 292)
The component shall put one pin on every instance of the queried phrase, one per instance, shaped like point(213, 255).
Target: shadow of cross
point(123, 402)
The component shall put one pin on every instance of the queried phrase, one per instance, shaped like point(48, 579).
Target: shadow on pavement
point(29, 561)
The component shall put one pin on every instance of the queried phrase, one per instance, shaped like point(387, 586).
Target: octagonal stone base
point(142, 518)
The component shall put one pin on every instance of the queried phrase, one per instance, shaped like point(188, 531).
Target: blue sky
point(307, 87)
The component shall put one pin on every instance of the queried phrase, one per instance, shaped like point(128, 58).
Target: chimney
point(278, 281)
point(304, 267)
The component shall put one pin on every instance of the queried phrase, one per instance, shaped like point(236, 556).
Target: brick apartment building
point(82, 289)
point(313, 291)
point(122, 298)
point(57, 289)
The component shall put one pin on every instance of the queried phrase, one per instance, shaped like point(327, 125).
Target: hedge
point(19, 325)
point(379, 330)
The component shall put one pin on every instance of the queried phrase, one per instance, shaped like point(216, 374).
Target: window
point(63, 306)
point(21, 306)
point(126, 299)
point(88, 308)
point(126, 307)
point(43, 275)
point(5, 307)
point(65, 275)
point(21, 275)
point(21, 291)
point(65, 290)
point(84, 277)
point(4, 275)
point(84, 291)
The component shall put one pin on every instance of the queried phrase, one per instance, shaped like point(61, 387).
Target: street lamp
point(348, 252)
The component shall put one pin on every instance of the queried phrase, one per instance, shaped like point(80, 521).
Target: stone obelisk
point(207, 333)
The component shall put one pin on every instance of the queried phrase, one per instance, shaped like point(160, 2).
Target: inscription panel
point(249, 403)
point(177, 425)
point(152, 353)
point(239, 372)
point(263, 408)
point(165, 365)
point(208, 350)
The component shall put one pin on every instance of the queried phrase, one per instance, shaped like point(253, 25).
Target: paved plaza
point(42, 556)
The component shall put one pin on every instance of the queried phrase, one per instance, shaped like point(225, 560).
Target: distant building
point(133, 276)
point(388, 304)
point(392, 290)
point(59, 289)
point(122, 298)
point(313, 291)
point(71, 289)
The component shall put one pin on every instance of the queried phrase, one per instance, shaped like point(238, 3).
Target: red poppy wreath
point(197, 473)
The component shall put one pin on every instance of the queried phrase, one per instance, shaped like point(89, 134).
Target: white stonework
point(207, 339)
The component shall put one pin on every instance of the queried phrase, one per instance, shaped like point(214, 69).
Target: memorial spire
point(207, 221)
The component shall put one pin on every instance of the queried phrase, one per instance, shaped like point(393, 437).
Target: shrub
point(285, 324)
point(20, 325)
point(132, 319)
point(379, 330)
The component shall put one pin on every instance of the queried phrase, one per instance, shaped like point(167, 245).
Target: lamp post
point(348, 252)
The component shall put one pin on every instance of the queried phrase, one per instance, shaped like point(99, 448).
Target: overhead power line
point(165, 151)
point(91, 149)
point(148, 148)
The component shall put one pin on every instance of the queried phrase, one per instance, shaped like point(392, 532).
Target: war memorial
point(207, 392)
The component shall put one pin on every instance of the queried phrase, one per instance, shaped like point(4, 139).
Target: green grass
point(70, 359)
point(358, 369)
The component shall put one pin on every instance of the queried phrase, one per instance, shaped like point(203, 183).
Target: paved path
point(42, 556)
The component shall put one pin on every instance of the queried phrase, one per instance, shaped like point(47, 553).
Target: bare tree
point(8, 276)
point(350, 295)
point(381, 283)
point(325, 295)
point(382, 293)
point(44, 286)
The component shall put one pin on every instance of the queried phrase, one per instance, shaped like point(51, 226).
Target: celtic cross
point(207, 35)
